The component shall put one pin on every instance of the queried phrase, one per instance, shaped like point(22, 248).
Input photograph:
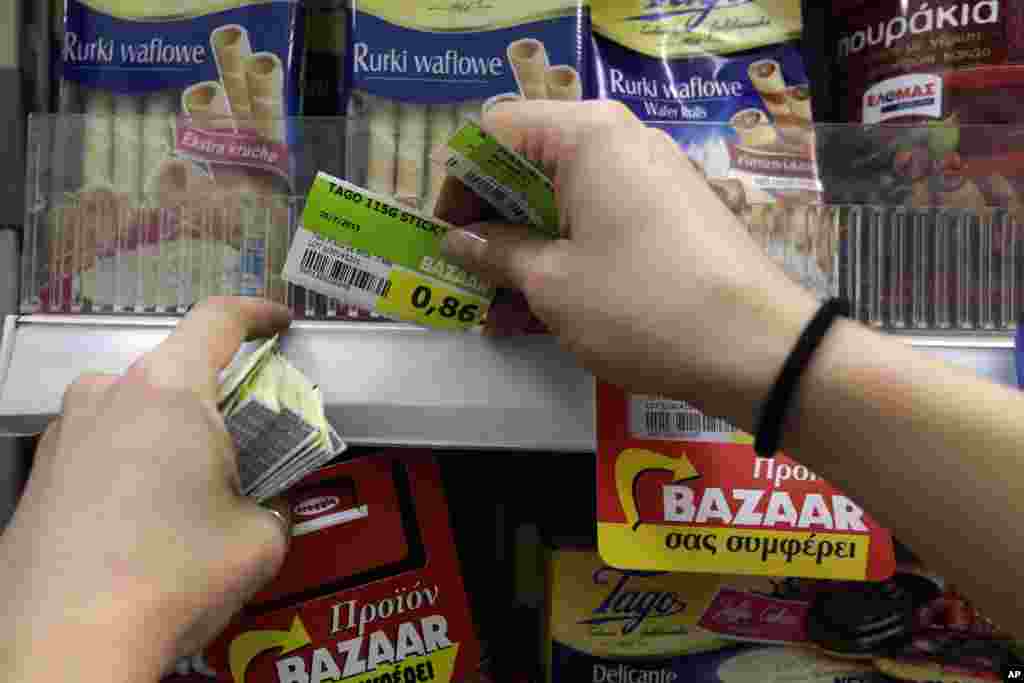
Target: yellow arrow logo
point(247, 646)
point(633, 462)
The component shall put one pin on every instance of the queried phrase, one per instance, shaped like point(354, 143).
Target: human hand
point(132, 534)
point(656, 286)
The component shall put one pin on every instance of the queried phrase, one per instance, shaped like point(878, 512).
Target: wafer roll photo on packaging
point(157, 141)
point(563, 83)
point(741, 97)
point(187, 123)
point(98, 138)
point(766, 77)
point(754, 128)
point(412, 160)
point(206, 104)
point(381, 116)
point(417, 71)
point(798, 99)
point(441, 125)
point(529, 60)
point(264, 74)
point(231, 48)
point(454, 60)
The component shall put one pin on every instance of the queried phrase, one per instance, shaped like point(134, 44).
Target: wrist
point(44, 644)
point(58, 627)
point(748, 353)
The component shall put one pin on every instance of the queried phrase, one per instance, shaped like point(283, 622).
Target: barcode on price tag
point(342, 274)
point(517, 189)
point(664, 419)
point(513, 209)
point(353, 277)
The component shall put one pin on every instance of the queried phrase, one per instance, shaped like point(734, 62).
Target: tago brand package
point(747, 664)
point(181, 168)
point(912, 627)
point(419, 68)
point(610, 625)
point(725, 79)
point(371, 590)
point(678, 491)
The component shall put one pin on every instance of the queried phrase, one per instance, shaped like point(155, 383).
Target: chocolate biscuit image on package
point(861, 621)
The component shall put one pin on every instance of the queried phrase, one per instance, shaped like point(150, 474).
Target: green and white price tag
point(373, 252)
point(516, 188)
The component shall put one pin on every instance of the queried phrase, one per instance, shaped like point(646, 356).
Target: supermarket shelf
point(385, 384)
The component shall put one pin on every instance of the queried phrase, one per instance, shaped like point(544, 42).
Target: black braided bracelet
point(773, 410)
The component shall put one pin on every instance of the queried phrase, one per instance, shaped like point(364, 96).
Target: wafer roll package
point(418, 69)
point(186, 145)
point(727, 80)
point(729, 83)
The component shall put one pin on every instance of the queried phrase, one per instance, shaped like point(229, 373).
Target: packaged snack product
point(727, 81)
point(912, 627)
point(602, 621)
point(944, 78)
point(943, 65)
point(371, 586)
point(417, 70)
point(183, 145)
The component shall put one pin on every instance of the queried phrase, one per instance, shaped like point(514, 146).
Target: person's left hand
point(132, 545)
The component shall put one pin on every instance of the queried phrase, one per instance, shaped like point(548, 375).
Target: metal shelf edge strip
point(399, 385)
point(402, 385)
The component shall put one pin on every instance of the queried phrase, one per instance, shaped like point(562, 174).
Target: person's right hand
point(654, 271)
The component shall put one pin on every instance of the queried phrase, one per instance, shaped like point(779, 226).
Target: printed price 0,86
point(419, 300)
point(449, 307)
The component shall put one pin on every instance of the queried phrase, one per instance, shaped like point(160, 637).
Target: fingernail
point(463, 245)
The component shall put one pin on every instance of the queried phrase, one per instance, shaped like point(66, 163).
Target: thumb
point(260, 545)
point(504, 255)
point(263, 537)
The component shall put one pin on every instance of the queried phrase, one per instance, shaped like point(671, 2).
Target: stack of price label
point(275, 416)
